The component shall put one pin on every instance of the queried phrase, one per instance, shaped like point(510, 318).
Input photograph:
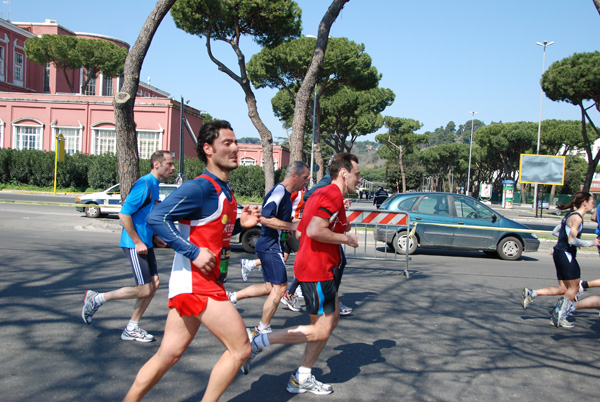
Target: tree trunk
point(592, 159)
point(310, 79)
point(124, 101)
point(318, 151)
point(597, 4)
point(402, 173)
point(266, 138)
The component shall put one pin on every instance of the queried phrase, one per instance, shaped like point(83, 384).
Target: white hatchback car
point(109, 200)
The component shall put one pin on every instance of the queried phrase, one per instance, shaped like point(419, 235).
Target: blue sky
point(441, 58)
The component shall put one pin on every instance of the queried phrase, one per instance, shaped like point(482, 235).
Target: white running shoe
point(246, 268)
point(580, 291)
point(137, 334)
point(345, 310)
point(245, 369)
point(233, 300)
point(526, 298)
point(311, 385)
point(291, 302)
point(89, 306)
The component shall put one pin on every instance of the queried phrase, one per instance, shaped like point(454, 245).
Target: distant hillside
point(366, 151)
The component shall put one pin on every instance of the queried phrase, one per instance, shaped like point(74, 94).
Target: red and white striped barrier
point(377, 217)
point(366, 220)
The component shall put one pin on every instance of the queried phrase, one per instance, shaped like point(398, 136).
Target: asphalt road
point(454, 331)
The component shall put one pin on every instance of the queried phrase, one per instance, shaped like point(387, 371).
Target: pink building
point(36, 103)
point(252, 154)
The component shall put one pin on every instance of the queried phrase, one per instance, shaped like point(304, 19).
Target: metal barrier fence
point(366, 222)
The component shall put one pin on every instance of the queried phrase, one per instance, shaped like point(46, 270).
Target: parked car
point(543, 204)
point(455, 209)
point(248, 237)
point(109, 200)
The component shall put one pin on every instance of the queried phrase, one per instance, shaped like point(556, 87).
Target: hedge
point(83, 172)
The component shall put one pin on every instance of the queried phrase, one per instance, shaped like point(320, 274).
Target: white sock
point(534, 294)
point(133, 325)
point(262, 340)
point(99, 298)
point(303, 374)
point(251, 264)
point(233, 297)
point(261, 326)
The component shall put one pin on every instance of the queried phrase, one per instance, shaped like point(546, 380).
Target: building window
point(107, 87)
point(90, 88)
point(2, 58)
point(47, 78)
point(148, 143)
point(18, 69)
point(104, 141)
point(72, 138)
point(28, 137)
point(248, 161)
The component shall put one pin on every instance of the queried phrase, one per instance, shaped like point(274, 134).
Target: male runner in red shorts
point(206, 211)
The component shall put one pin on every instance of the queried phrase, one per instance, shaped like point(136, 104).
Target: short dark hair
point(207, 135)
point(340, 161)
point(158, 156)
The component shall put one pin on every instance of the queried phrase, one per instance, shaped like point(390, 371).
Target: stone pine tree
point(399, 141)
point(124, 101)
point(576, 80)
point(314, 68)
point(69, 53)
point(284, 67)
point(268, 22)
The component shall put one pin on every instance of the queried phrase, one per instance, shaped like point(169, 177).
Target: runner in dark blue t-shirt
point(276, 221)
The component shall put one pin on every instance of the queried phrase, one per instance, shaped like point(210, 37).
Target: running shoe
point(580, 291)
point(265, 330)
point(291, 302)
point(562, 324)
point(89, 306)
point(561, 311)
point(311, 385)
point(245, 369)
point(526, 298)
point(345, 310)
point(137, 334)
point(245, 269)
point(230, 296)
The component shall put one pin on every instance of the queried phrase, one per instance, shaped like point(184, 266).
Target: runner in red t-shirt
point(323, 228)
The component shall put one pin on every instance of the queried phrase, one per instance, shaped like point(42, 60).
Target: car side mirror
point(494, 218)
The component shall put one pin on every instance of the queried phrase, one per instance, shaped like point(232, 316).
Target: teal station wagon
point(493, 234)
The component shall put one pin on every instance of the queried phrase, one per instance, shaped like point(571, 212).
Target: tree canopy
point(575, 80)
point(267, 22)
point(347, 92)
point(399, 141)
point(71, 53)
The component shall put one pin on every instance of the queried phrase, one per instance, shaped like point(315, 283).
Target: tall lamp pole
point(470, 152)
point(544, 45)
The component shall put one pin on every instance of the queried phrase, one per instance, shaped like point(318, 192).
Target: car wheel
point(510, 248)
point(249, 239)
point(400, 243)
point(92, 211)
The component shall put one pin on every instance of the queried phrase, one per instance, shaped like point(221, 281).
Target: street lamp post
point(470, 152)
point(544, 45)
